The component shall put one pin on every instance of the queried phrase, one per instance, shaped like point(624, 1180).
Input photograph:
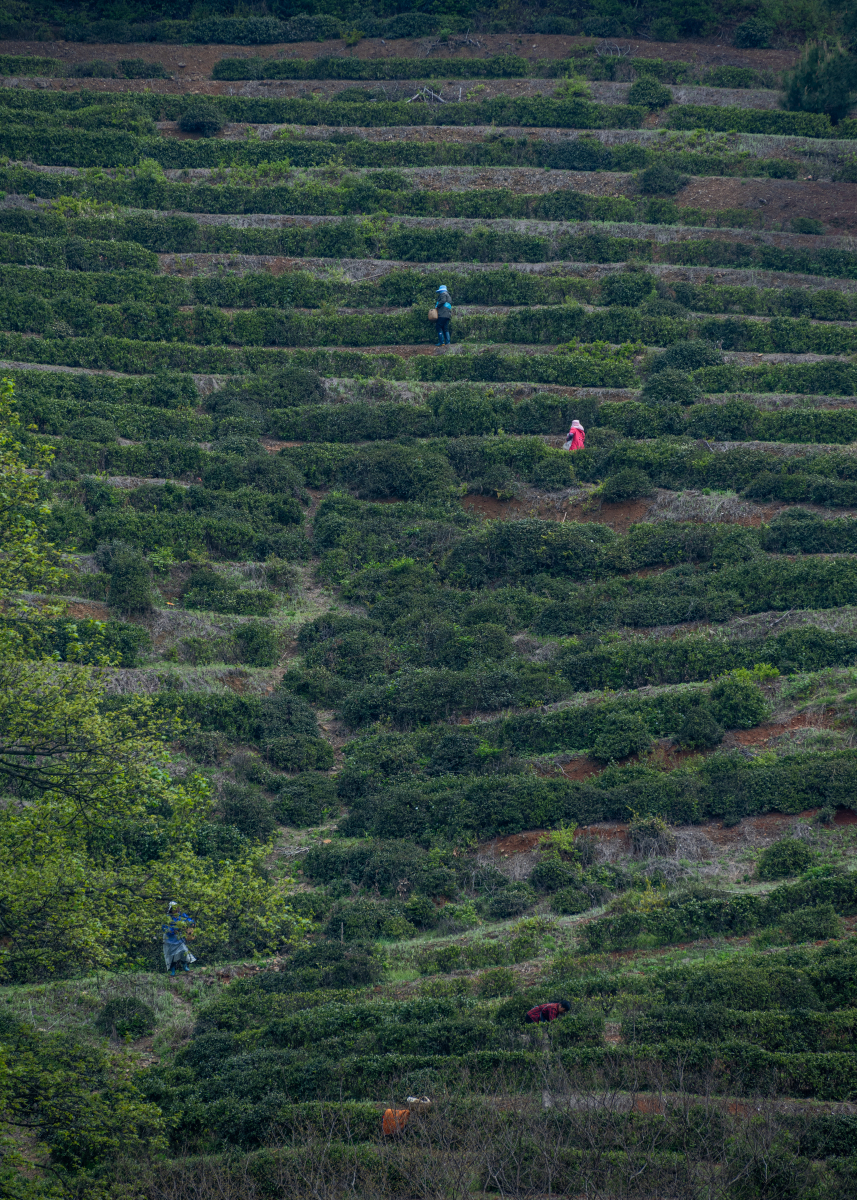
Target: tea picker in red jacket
point(575, 437)
point(547, 1012)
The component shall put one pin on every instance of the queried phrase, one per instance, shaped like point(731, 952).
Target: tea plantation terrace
point(514, 723)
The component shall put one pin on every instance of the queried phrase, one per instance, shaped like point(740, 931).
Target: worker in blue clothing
point(177, 928)
point(444, 314)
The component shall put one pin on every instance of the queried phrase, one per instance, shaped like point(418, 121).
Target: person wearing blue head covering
point(177, 928)
point(444, 314)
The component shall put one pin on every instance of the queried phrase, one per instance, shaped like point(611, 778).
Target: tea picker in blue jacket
point(444, 314)
point(177, 928)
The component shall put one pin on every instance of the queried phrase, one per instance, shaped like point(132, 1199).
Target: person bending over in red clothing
point(547, 1012)
point(575, 437)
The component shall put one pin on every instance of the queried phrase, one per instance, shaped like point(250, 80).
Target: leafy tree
point(108, 834)
point(96, 836)
point(824, 81)
point(27, 560)
point(78, 1102)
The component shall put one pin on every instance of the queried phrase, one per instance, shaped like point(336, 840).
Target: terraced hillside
point(522, 723)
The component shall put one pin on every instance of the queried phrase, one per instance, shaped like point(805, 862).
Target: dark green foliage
point(97, 69)
point(126, 1016)
point(627, 288)
point(140, 68)
point(700, 730)
point(621, 736)
point(247, 810)
point(661, 180)
point(824, 81)
point(670, 386)
point(569, 901)
point(511, 901)
point(498, 66)
point(501, 981)
point(629, 484)
point(738, 703)
point(550, 874)
point(214, 591)
point(754, 33)
point(687, 356)
point(650, 93)
point(385, 866)
point(258, 644)
point(736, 77)
point(807, 225)
point(83, 640)
point(787, 857)
point(811, 924)
point(130, 589)
point(305, 800)
point(201, 116)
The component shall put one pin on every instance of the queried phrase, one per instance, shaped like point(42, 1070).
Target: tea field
point(508, 724)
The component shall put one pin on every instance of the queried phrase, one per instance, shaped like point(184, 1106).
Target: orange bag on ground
point(395, 1120)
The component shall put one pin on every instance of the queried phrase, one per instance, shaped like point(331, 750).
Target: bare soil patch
point(835, 204)
point(619, 516)
point(88, 608)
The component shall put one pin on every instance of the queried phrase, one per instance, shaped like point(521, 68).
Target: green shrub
point(754, 33)
point(621, 735)
point(628, 288)
point(738, 703)
point(629, 484)
point(787, 857)
point(139, 68)
point(582, 1025)
point(295, 752)
point(661, 180)
point(97, 69)
point(421, 912)
point(126, 1016)
point(247, 810)
point(258, 644)
point(130, 583)
point(671, 386)
point(501, 981)
point(569, 901)
point(302, 801)
point(687, 356)
point(700, 730)
point(202, 116)
point(807, 225)
point(511, 901)
point(811, 924)
point(650, 92)
point(550, 874)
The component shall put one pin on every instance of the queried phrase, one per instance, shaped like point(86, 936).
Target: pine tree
point(824, 81)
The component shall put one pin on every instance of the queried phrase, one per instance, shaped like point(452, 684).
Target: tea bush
point(789, 856)
point(126, 1016)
